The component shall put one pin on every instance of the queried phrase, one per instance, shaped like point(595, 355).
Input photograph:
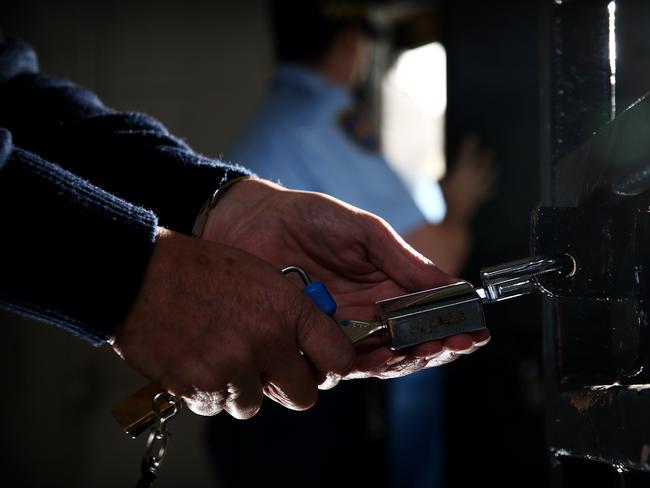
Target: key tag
point(315, 290)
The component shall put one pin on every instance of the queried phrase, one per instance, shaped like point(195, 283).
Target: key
point(315, 290)
point(356, 330)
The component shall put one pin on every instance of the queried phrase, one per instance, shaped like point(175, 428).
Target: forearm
point(134, 157)
point(130, 155)
point(72, 254)
point(447, 244)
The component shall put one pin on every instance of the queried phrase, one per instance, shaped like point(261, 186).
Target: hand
point(219, 327)
point(356, 254)
point(471, 181)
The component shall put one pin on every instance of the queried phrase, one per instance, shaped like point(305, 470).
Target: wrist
point(241, 201)
point(201, 220)
point(114, 340)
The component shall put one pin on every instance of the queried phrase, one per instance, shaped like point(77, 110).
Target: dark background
point(495, 416)
point(201, 67)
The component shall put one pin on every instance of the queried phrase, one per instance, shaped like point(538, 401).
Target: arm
point(128, 154)
point(465, 189)
point(172, 306)
point(72, 254)
point(188, 328)
point(447, 243)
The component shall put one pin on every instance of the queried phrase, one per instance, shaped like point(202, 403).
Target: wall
point(198, 66)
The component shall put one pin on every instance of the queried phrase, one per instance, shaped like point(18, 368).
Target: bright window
point(414, 99)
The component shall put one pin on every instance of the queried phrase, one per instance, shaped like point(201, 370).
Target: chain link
point(158, 440)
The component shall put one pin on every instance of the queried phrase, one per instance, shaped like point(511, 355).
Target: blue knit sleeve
point(71, 254)
point(131, 155)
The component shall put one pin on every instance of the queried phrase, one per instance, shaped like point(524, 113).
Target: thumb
point(399, 261)
point(323, 342)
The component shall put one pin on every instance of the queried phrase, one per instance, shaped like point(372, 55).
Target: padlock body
point(431, 314)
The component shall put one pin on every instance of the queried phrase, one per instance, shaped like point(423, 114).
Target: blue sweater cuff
point(72, 254)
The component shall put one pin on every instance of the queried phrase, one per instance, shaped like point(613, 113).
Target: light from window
point(611, 8)
point(414, 99)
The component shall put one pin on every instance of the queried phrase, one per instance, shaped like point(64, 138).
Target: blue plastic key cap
point(321, 297)
point(314, 290)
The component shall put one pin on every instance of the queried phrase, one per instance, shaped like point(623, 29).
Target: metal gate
point(596, 208)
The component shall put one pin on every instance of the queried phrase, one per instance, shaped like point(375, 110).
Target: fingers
point(481, 337)
point(189, 331)
point(244, 395)
point(322, 342)
point(242, 399)
point(459, 342)
point(381, 362)
point(292, 384)
point(205, 403)
point(373, 360)
point(239, 376)
point(475, 166)
point(330, 381)
point(469, 147)
point(401, 263)
point(209, 388)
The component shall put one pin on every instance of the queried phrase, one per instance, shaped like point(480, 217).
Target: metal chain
point(158, 440)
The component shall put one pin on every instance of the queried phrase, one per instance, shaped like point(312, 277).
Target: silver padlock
point(453, 309)
point(431, 314)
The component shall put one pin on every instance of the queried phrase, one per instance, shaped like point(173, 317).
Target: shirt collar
point(328, 96)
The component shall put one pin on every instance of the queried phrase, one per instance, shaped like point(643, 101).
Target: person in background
point(301, 137)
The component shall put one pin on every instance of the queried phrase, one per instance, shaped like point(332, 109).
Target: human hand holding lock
point(217, 327)
point(200, 297)
point(410, 319)
point(405, 333)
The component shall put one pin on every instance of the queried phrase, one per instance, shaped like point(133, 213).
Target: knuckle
point(330, 381)
point(206, 403)
point(244, 402)
point(307, 400)
point(296, 307)
point(345, 360)
point(302, 315)
point(376, 225)
point(243, 412)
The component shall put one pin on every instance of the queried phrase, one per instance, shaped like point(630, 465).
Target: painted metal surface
point(597, 204)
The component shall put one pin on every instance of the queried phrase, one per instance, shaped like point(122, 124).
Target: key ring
point(158, 440)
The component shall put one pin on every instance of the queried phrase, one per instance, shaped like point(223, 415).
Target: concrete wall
point(198, 66)
point(201, 68)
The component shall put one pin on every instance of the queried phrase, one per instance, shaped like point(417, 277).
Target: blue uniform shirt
point(296, 138)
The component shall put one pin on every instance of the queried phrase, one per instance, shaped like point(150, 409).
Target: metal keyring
point(158, 440)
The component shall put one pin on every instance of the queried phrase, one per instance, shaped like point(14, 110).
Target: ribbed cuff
point(199, 183)
point(134, 157)
point(72, 254)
